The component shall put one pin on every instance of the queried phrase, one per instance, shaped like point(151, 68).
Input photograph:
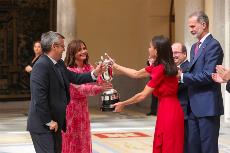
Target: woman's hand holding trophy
point(110, 96)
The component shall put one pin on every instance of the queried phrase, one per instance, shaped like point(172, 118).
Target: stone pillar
point(183, 8)
point(66, 20)
point(227, 57)
point(219, 13)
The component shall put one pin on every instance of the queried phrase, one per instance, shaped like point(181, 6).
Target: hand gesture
point(216, 77)
point(106, 85)
point(28, 68)
point(118, 106)
point(53, 125)
point(110, 59)
point(99, 69)
point(223, 72)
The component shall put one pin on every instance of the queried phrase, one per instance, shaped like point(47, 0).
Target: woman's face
point(152, 51)
point(37, 48)
point(82, 53)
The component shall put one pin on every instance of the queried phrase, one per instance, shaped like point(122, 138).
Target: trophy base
point(107, 109)
point(109, 98)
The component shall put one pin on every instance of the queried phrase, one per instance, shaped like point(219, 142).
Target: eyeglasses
point(177, 52)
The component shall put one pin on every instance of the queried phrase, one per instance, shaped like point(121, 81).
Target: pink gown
point(169, 130)
point(77, 138)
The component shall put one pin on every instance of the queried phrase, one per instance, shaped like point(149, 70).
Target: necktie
point(197, 48)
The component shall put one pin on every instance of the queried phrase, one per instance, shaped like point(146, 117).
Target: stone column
point(66, 20)
point(227, 58)
point(219, 14)
point(183, 8)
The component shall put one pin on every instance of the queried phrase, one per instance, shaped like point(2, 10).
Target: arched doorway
point(21, 23)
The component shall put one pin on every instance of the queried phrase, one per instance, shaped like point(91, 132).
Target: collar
point(55, 62)
point(202, 39)
point(182, 62)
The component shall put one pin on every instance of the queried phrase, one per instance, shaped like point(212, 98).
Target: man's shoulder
point(43, 63)
point(210, 39)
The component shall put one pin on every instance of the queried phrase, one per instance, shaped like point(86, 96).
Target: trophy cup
point(110, 96)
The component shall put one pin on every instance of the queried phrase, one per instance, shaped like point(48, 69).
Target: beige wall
point(121, 28)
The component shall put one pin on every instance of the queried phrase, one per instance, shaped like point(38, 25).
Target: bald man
point(180, 58)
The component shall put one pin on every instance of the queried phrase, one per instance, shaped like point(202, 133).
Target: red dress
point(169, 130)
point(77, 138)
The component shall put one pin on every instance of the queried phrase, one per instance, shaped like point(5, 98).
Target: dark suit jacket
point(50, 94)
point(205, 96)
point(183, 90)
point(228, 86)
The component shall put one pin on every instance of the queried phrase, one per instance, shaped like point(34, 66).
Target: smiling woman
point(77, 138)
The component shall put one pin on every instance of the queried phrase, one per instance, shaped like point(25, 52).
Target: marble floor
point(128, 132)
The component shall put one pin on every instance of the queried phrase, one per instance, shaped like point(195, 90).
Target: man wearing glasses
point(180, 58)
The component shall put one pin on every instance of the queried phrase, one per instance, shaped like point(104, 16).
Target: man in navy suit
point(180, 58)
point(205, 98)
point(49, 84)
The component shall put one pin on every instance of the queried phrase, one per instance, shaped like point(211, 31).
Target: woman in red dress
point(169, 130)
point(77, 138)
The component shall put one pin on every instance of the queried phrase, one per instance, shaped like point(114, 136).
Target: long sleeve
point(84, 90)
point(39, 91)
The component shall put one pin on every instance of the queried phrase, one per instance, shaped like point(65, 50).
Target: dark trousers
point(186, 136)
point(203, 133)
point(47, 142)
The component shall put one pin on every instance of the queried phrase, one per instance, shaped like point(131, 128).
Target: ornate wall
point(21, 23)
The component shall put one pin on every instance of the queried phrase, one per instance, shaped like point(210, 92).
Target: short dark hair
point(201, 17)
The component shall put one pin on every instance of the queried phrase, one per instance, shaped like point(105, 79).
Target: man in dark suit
point(49, 84)
point(205, 98)
point(222, 76)
point(180, 58)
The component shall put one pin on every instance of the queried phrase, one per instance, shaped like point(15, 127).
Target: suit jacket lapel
point(184, 66)
point(200, 51)
point(58, 74)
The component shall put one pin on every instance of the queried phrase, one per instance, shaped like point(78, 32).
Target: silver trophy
point(110, 96)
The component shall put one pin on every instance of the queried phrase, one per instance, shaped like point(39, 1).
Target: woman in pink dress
point(77, 138)
point(169, 130)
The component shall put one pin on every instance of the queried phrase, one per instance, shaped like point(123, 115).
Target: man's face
point(196, 28)
point(59, 48)
point(178, 56)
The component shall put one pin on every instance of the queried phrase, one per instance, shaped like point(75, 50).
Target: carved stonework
point(21, 23)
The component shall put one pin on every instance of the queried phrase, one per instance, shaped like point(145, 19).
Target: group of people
point(58, 119)
point(196, 84)
point(189, 93)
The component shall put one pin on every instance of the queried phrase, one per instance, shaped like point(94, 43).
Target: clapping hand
point(216, 77)
point(223, 72)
